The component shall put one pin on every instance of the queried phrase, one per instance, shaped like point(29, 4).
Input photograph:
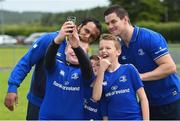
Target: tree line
point(159, 15)
point(139, 10)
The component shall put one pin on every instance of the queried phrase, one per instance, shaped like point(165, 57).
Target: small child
point(119, 84)
point(95, 63)
point(92, 109)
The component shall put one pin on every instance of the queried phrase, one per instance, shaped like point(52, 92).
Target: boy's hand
point(104, 64)
point(74, 39)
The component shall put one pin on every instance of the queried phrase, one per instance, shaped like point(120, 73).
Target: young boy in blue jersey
point(119, 84)
point(63, 99)
point(88, 30)
point(91, 108)
point(148, 52)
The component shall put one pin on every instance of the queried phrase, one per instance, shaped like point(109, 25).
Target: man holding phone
point(89, 30)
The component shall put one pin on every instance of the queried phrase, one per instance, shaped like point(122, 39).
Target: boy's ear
point(126, 19)
point(119, 52)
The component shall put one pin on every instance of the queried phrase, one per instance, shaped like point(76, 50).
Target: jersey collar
point(134, 36)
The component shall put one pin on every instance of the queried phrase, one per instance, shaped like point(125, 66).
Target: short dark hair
point(94, 57)
point(95, 21)
point(120, 11)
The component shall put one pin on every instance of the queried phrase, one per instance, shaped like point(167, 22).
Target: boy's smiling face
point(107, 50)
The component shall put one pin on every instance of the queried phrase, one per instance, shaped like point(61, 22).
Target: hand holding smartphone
point(73, 20)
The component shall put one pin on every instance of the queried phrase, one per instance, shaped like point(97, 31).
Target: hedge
point(171, 31)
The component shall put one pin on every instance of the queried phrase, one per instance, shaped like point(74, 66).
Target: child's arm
point(83, 59)
point(50, 57)
point(97, 88)
point(144, 103)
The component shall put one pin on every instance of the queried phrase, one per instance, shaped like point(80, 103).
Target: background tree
point(172, 11)
point(142, 10)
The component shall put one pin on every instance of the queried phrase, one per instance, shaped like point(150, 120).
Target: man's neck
point(126, 37)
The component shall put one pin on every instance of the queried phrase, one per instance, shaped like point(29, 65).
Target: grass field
point(20, 111)
point(9, 57)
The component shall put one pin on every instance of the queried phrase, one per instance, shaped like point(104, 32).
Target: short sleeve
point(135, 77)
point(155, 45)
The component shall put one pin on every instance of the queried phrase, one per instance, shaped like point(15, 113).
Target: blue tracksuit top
point(119, 89)
point(34, 57)
point(145, 47)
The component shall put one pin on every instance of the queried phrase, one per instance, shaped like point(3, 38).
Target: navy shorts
point(32, 112)
point(166, 112)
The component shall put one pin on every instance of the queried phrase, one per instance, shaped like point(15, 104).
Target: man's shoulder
point(51, 34)
point(147, 33)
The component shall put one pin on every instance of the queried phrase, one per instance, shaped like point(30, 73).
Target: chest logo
point(141, 52)
point(74, 76)
point(122, 78)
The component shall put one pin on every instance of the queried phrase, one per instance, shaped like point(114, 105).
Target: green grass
point(20, 111)
point(11, 55)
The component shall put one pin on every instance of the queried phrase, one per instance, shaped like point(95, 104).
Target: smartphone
point(72, 19)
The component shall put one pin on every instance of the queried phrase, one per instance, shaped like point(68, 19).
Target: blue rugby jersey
point(34, 57)
point(92, 110)
point(119, 89)
point(64, 93)
point(145, 47)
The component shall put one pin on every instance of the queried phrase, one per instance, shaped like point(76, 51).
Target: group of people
point(133, 76)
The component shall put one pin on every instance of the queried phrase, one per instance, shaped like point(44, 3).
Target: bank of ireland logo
point(122, 78)
point(74, 76)
point(174, 93)
point(141, 52)
point(114, 87)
